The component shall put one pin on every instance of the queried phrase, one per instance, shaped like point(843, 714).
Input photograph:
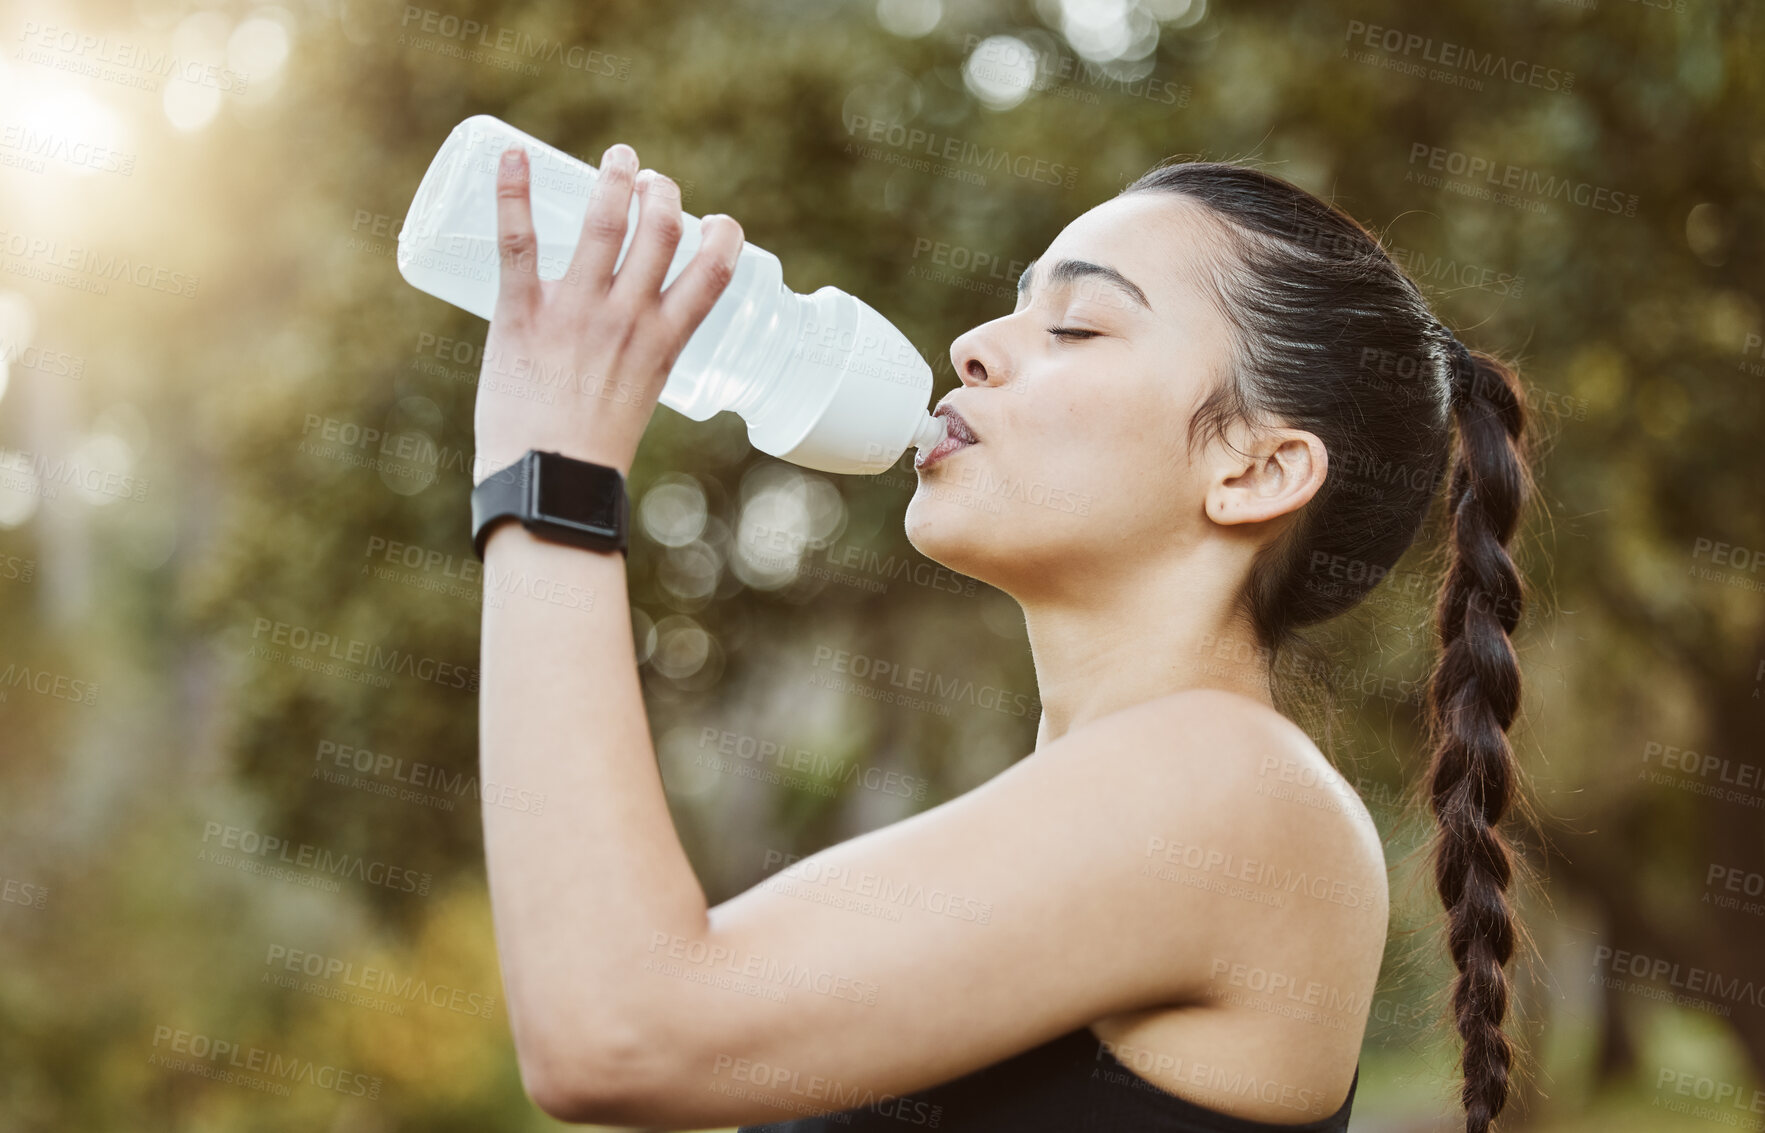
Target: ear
point(1275, 474)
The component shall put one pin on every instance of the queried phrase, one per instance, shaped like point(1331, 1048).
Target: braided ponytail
point(1332, 337)
point(1472, 698)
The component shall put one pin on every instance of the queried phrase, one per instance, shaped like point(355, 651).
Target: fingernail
point(512, 158)
point(644, 178)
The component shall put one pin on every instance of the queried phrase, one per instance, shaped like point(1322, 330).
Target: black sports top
point(1070, 1084)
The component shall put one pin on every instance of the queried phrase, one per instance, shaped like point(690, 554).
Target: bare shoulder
point(1245, 774)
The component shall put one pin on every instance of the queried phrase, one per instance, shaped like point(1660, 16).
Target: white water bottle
point(822, 380)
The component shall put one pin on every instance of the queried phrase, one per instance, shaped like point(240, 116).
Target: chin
point(968, 533)
point(944, 530)
point(1014, 541)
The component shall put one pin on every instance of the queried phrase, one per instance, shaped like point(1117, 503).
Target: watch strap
point(501, 495)
point(514, 493)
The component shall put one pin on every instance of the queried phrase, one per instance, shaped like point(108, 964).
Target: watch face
point(581, 494)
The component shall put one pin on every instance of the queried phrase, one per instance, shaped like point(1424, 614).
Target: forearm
point(578, 889)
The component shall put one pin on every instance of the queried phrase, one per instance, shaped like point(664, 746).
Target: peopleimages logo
point(32, 148)
point(1612, 966)
point(834, 877)
point(45, 683)
point(1691, 1084)
point(398, 773)
point(91, 269)
point(318, 643)
point(1007, 58)
point(307, 856)
point(914, 679)
point(945, 147)
point(41, 474)
point(1517, 178)
point(231, 1061)
point(56, 363)
point(1266, 876)
point(101, 57)
point(368, 978)
point(1459, 58)
point(519, 45)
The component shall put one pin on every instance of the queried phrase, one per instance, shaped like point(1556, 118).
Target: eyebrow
point(1066, 271)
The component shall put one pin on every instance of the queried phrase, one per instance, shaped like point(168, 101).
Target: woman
point(1173, 911)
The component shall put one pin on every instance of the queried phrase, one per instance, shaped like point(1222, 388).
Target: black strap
point(512, 493)
point(504, 494)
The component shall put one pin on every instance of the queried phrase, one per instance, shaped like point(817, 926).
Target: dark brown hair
point(1332, 337)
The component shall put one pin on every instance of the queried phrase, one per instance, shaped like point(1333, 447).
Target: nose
point(971, 353)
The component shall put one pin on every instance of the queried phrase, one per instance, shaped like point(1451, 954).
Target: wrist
point(493, 457)
point(562, 498)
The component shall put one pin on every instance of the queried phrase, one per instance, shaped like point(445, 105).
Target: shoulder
point(1240, 775)
point(1210, 828)
point(1206, 735)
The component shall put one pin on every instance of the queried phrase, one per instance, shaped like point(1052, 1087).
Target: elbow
point(559, 1087)
point(606, 1079)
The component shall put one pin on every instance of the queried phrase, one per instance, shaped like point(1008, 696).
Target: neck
point(1110, 643)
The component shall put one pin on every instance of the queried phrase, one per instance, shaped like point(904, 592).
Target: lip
point(958, 435)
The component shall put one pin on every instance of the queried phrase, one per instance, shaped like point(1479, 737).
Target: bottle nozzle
point(929, 433)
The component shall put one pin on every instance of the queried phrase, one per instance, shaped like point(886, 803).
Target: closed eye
point(1070, 332)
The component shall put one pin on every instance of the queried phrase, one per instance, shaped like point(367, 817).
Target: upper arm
point(1034, 904)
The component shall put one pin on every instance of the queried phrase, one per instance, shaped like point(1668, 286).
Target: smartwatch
point(557, 498)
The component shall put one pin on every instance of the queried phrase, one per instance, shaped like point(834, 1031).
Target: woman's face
point(1082, 463)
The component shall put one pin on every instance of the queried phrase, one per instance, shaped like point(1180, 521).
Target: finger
point(518, 248)
point(640, 277)
point(603, 226)
point(694, 291)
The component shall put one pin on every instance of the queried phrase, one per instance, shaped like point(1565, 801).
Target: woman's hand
point(575, 365)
